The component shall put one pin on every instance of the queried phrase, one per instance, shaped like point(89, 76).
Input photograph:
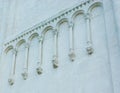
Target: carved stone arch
point(92, 6)
point(34, 35)
point(20, 43)
point(76, 13)
point(8, 49)
point(61, 21)
point(46, 29)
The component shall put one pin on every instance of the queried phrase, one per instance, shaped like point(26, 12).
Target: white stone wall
point(95, 73)
point(112, 28)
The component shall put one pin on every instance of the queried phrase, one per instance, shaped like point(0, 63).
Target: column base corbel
point(72, 55)
point(39, 70)
point(55, 62)
point(90, 50)
point(11, 81)
point(24, 75)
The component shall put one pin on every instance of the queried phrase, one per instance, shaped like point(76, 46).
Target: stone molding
point(40, 30)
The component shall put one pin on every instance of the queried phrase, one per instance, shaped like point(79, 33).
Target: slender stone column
point(25, 73)
point(89, 34)
point(71, 42)
point(55, 56)
point(40, 55)
point(11, 79)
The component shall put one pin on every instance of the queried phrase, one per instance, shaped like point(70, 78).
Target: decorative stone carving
point(25, 75)
point(55, 31)
point(39, 70)
point(27, 45)
point(89, 50)
point(72, 55)
point(11, 81)
point(40, 38)
point(14, 51)
point(87, 16)
point(55, 62)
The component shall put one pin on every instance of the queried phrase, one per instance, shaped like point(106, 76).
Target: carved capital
point(71, 24)
point(55, 31)
point(11, 81)
point(14, 51)
point(87, 16)
point(72, 55)
point(40, 38)
point(27, 45)
point(25, 75)
point(39, 70)
point(55, 61)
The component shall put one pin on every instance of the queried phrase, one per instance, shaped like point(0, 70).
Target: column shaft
point(71, 42)
point(14, 62)
point(55, 56)
point(26, 56)
point(40, 55)
point(89, 34)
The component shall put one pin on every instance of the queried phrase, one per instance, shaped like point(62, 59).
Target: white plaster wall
point(4, 5)
point(112, 29)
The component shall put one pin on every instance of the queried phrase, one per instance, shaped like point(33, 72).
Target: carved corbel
point(89, 48)
point(55, 62)
point(11, 81)
point(72, 55)
point(39, 70)
point(25, 75)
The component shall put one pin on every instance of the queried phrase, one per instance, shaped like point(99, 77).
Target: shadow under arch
point(61, 21)
point(8, 49)
point(77, 13)
point(33, 36)
point(96, 4)
point(46, 29)
point(20, 43)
